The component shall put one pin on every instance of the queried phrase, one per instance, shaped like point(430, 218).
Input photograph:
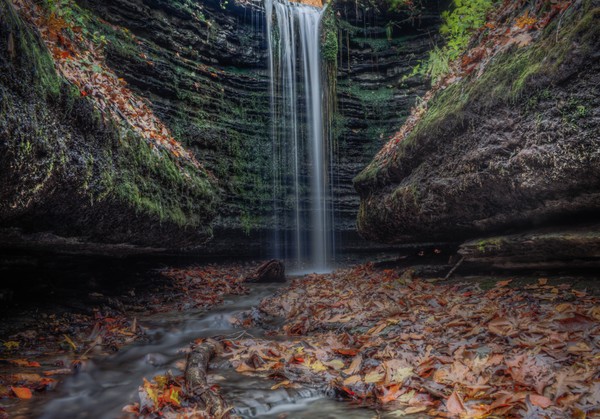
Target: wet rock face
point(498, 165)
point(375, 92)
point(70, 172)
point(203, 66)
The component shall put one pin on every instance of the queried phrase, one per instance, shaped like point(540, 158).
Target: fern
point(458, 26)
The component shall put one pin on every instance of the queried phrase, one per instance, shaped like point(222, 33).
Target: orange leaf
point(390, 394)
point(347, 352)
point(21, 392)
point(503, 283)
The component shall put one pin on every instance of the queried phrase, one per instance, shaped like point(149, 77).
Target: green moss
point(507, 78)
point(369, 97)
point(374, 44)
point(329, 43)
point(153, 182)
point(29, 49)
point(488, 244)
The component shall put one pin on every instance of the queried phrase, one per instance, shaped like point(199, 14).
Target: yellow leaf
point(161, 380)
point(352, 380)
point(374, 377)
point(174, 396)
point(318, 366)
point(406, 397)
point(70, 342)
point(564, 307)
point(336, 364)
point(354, 366)
point(151, 391)
point(579, 347)
point(400, 375)
point(11, 345)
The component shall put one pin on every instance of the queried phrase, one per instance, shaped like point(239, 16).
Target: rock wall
point(71, 171)
point(514, 148)
point(378, 50)
point(202, 68)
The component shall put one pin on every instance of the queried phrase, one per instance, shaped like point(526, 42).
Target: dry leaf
point(22, 392)
point(454, 404)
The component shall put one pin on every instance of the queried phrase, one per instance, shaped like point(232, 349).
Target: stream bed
point(104, 386)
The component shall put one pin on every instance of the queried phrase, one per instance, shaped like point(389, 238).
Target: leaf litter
point(404, 346)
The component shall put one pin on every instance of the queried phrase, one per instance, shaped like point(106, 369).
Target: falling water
point(301, 190)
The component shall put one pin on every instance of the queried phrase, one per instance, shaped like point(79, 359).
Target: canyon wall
point(507, 149)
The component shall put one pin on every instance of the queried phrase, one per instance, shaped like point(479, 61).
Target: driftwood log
point(196, 384)
point(271, 271)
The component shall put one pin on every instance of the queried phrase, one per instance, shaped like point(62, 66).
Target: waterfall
point(303, 218)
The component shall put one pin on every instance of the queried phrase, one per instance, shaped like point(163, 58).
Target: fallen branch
point(454, 268)
point(196, 384)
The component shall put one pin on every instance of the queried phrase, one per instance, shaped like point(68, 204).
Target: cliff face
point(202, 69)
point(209, 82)
point(514, 147)
point(72, 171)
point(378, 50)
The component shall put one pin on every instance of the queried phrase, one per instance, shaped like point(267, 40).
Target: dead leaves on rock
point(512, 24)
point(82, 62)
point(409, 346)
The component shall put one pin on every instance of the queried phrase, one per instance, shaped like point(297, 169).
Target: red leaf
point(347, 352)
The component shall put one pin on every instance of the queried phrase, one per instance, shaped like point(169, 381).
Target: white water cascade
point(302, 196)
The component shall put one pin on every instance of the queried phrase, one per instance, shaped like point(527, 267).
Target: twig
point(454, 268)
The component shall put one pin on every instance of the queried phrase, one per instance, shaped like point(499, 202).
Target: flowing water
point(302, 190)
point(103, 387)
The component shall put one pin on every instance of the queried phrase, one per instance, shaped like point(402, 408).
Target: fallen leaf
point(503, 283)
point(336, 364)
point(454, 404)
point(352, 380)
point(501, 326)
point(354, 366)
point(415, 409)
point(579, 347)
point(284, 384)
point(22, 392)
point(374, 377)
point(540, 401)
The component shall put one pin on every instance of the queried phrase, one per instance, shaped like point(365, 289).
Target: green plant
point(458, 26)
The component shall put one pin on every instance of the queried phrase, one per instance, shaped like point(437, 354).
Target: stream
point(104, 386)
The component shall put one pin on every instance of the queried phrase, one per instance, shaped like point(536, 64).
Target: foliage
point(503, 63)
point(458, 26)
point(329, 42)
